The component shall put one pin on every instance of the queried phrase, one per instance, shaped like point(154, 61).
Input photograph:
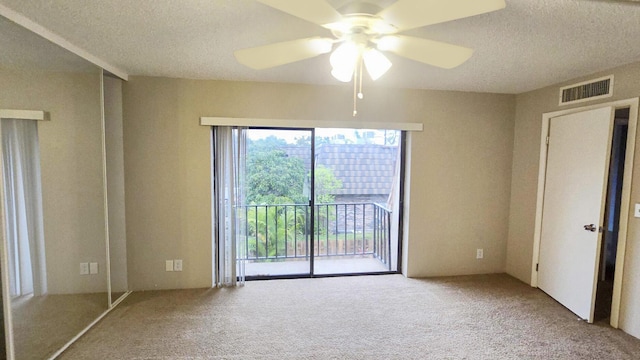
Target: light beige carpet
point(43, 324)
point(370, 317)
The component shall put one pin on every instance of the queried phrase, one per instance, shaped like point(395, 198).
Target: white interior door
point(574, 197)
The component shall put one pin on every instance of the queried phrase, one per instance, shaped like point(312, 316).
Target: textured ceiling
point(528, 45)
point(22, 49)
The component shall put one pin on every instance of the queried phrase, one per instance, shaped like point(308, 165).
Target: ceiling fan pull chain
point(357, 86)
point(355, 110)
point(360, 95)
point(355, 92)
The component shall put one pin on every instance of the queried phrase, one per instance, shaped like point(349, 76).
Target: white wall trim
point(34, 27)
point(542, 174)
point(285, 123)
point(625, 211)
point(23, 114)
point(632, 104)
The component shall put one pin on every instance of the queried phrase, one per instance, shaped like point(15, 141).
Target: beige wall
point(71, 168)
point(460, 169)
point(460, 184)
point(528, 121)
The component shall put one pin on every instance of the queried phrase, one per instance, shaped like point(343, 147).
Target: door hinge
point(537, 267)
point(547, 140)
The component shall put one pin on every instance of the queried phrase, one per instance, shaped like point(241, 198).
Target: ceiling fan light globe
point(388, 43)
point(342, 74)
point(344, 55)
point(376, 63)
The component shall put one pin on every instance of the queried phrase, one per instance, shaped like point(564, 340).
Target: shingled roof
point(364, 169)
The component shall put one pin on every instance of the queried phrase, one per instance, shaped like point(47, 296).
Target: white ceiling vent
point(587, 91)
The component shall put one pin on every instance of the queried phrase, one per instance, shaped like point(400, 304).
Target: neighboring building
point(365, 170)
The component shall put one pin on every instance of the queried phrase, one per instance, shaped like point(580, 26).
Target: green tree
point(275, 231)
point(274, 178)
point(269, 143)
point(271, 175)
point(326, 185)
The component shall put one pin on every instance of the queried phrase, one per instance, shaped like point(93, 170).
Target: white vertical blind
point(228, 178)
point(23, 205)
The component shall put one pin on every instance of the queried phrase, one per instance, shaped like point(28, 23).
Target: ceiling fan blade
point(267, 56)
point(315, 11)
point(410, 14)
point(426, 51)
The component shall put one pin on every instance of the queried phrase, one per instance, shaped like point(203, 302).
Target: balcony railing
point(281, 232)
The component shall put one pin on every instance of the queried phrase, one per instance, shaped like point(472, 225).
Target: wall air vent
point(587, 91)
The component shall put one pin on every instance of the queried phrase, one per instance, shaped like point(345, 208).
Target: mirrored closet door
point(114, 156)
point(55, 263)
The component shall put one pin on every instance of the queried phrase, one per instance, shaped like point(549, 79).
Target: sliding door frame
point(312, 202)
point(401, 194)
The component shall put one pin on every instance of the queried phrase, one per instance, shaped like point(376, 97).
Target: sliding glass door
point(357, 174)
point(320, 201)
point(277, 206)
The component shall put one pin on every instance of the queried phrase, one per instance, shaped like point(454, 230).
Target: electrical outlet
point(93, 268)
point(479, 253)
point(177, 265)
point(168, 265)
point(84, 268)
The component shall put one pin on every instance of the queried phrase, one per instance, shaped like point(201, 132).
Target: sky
point(290, 136)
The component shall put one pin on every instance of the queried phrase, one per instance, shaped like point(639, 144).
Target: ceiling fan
point(362, 31)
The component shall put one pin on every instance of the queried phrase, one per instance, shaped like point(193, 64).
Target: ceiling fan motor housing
point(360, 28)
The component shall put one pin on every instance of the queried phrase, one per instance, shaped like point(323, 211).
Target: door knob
point(592, 228)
